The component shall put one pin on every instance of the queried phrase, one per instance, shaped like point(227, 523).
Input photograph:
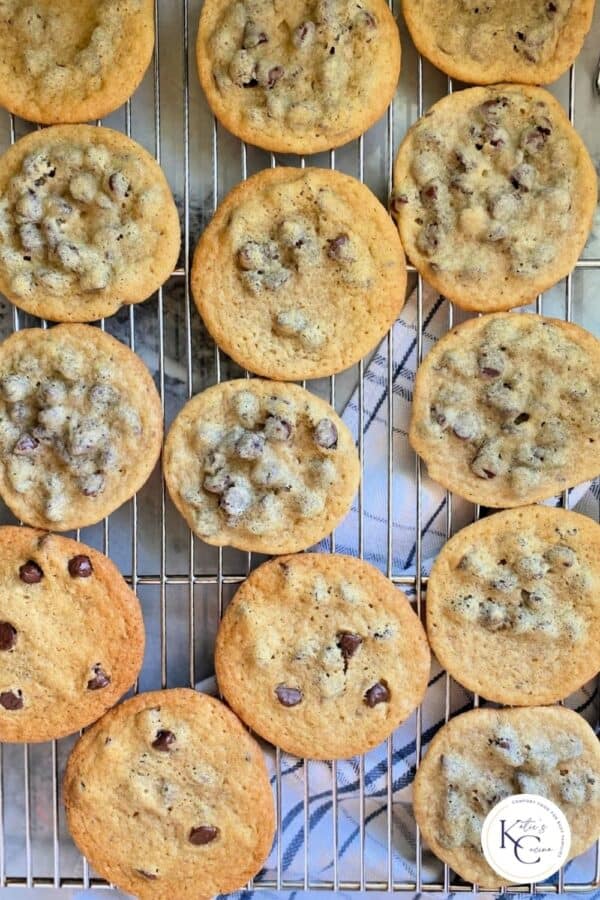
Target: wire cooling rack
point(183, 584)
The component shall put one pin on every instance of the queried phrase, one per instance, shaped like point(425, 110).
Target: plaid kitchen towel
point(308, 832)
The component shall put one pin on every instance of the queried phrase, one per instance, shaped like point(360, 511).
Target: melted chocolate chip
point(8, 636)
point(30, 572)
point(11, 700)
point(326, 434)
point(336, 246)
point(274, 75)
point(348, 643)
point(522, 417)
point(379, 693)
point(288, 696)
point(145, 874)
point(489, 474)
point(277, 429)
point(203, 834)
point(100, 679)
point(164, 740)
point(25, 445)
point(490, 372)
point(80, 566)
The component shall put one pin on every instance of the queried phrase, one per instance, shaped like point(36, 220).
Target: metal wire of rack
point(182, 584)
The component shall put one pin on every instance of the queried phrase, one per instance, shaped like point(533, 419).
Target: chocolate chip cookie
point(494, 193)
point(506, 409)
point(300, 76)
point(485, 755)
point(87, 223)
point(299, 274)
point(62, 61)
point(321, 655)
point(513, 605)
point(80, 425)
point(487, 41)
point(261, 466)
point(168, 796)
point(71, 635)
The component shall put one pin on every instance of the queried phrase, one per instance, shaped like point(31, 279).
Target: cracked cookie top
point(71, 635)
point(513, 605)
point(65, 61)
point(485, 755)
point(80, 425)
point(321, 655)
point(487, 41)
point(494, 194)
point(299, 274)
point(298, 76)
point(261, 466)
point(168, 796)
point(87, 223)
point(506, 409)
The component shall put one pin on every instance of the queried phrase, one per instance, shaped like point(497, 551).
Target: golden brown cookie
point(513, 605)
point(298, 76)
point(66, 61)
point(494, 193)
point(482, 756)
point(261, 466)
point(321, 655)
point(506, 409)
point(299, 274)
point(87, 223)
point(71, 635)
point(499, 40)
point(80, 425)
point(168, 796)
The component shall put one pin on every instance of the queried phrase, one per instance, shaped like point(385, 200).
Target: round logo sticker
point(525, 838)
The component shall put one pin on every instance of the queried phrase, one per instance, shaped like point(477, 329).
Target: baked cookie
point(87, 223)
point(298, 76)
point(482, 756)
point(168, 796)
point(80, 425)
point(494, 194)
point(62, 61)
point(506, 409)
point(261, 466)
point(299, 274)
point(513, 605)
point(71, 635)
point(321, 655)
point(499, 40)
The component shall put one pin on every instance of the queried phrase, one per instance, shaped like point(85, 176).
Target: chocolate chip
point(398, 201)
point(277, 429)
point(551, 7)
point(80, 566)
point(100, 679)
point(429, 193)
point(326, 434)
point(274, 75)
point(203, 834)
point(217, 483)
point(522, 417)
point(489, 474)
point(250, 446)
point(490, 372)
point(118, 184)
point(30, 572)
point(11, 700)
point(379, 693)
point(304, 34)
point(8, 636)
point(348, 643)
point(336, 247)
point(25, 445)
point(145, 874)
point(164, 740)
point(288, 696)
point(236, 500)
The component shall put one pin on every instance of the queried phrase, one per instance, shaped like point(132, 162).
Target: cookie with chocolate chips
point(494, 194)
point(71, 635)
point(62, 61)
point(506, 409)
point(300, 76)
point(87, 223)
point(487, 41)
point(513, 605)
point(299, 274)
point(80, 425)
point(483, 756)
point(321, 655)
point(168, 796)
point(261, 466)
